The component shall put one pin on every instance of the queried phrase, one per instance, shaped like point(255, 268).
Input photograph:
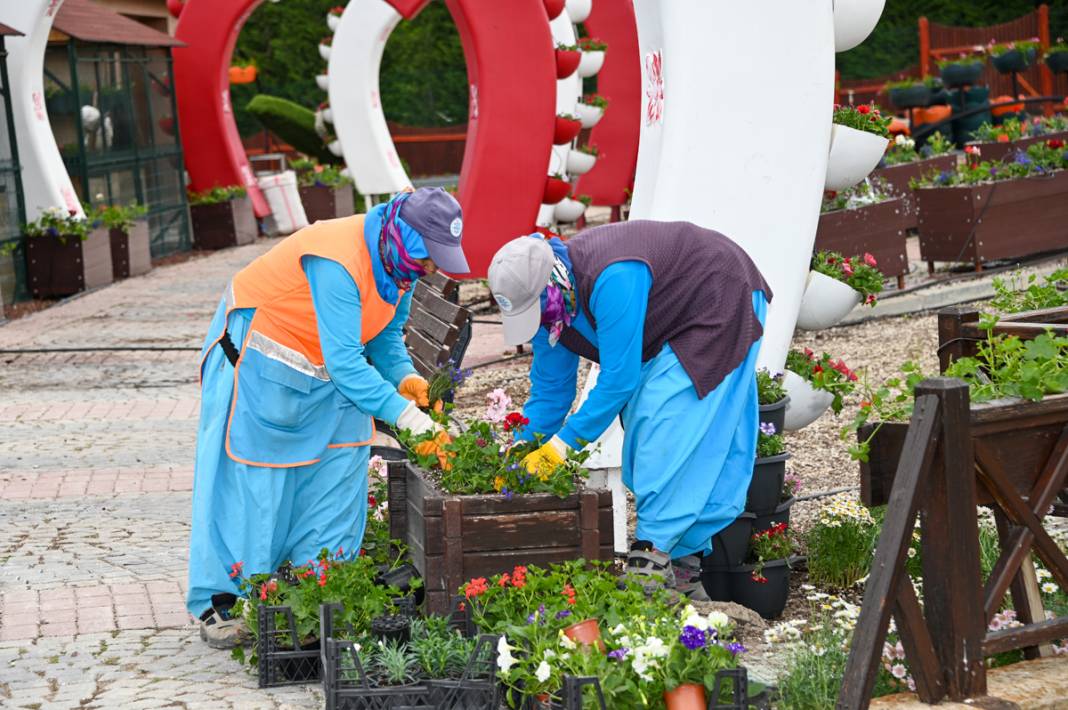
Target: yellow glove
point(547, 458)
point(436, 447)
point(416, 389)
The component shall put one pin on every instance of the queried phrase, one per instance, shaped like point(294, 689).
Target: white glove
point(415, 420)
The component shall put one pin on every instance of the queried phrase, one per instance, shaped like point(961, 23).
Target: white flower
point(549, 654)
point(377, 467)
point(900, 140)
point(718, 620)
point(655, 647)
point(566, 642)
point(620, 629)
point(692, 618)
point(504, 654)
point(542, 672)
point(1042, 573)
point(1049, 588)
point(898, 671)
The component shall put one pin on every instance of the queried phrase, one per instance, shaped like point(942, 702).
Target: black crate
point(282, 659)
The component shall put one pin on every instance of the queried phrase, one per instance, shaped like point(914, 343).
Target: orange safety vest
point(285, 336)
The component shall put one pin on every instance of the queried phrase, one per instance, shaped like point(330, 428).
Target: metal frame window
point(12, 203)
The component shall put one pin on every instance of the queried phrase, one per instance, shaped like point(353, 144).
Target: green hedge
point(292, 123)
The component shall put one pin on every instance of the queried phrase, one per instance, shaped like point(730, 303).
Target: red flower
point(475, 587)
point(847, 268)
point(519, 577)
point(870, 260)
point(870, 299)
point(322, 579)
point(569, 594)
point(863, 108)
point(341, 550)
point(235, 569)
point(371, 500)
point(817, 369)
point(362, 552)
point(515, 420)
point(759, 578)
point(263, 592)
point(462, 606)
point(865, 404)
point(1003, 138)
point(503, 581)
point(809, 354)
point(1055, 143)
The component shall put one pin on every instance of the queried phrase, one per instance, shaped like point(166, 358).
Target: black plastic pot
point(916, 96)
point(781, 514)
point(1057, 62)
point(765, 488)
point(395, 628)
point(1014, 60)
point(775, 414)
point(957, 75)
point(731, 543)
point(389, 453)
point(765, 598)
point(402, 577)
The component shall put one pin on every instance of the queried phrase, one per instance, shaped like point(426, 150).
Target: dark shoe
point(651, 566)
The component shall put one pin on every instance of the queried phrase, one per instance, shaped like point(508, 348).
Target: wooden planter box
point(8, 279)
point(899, 176)
point(1001, 151)
point(1008, 219)
point(224, 224)
point(879, 229)
point(1020, 436)
point(321, 202)
point(454, 538)
point(57, 267)
point(131, 253)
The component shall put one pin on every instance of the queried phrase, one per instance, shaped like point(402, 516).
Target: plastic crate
point(282, 659)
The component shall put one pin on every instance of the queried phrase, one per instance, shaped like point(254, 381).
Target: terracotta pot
point(555, 190)
point(686, 697)
point(567, 61)
point(586, 633)
point(553, 8)
point(565, 130)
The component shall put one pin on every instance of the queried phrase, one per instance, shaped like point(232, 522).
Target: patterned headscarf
point(399, 265)
point(560, 305)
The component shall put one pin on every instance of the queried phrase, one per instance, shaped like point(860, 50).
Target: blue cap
point(438, 218)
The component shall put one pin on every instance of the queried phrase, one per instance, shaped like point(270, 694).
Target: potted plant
point(868, 219)
point(569, 210)
point(729, 547)
point(556, 189)
point(592, 56)
point(694, 656)
point(580, 160)
point(553, 8)
point(568, 57)
point(591, 109)
point(1013, 135)
point(128, 233)
point(791, 484)
point(578, 10)
point(909, 93)
point(1057, 56)
point(324, 47)
point(965, 70)
point(222, 217)
point(65, 254)
point(333, 17)
point(835, 286)
point(773, 398)
point(859, 138)
point(566, 128)
point(324, 191)
point(1012, 57)
point(763, 584)
point(769, 469)
point(814, 385)
point(323, 82)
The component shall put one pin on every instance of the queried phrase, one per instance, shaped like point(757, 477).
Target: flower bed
point(879, 228)
point(903, 163)
point(324, 191)
point(1000, 142)
point(65, 255)
point(222, 217)
point(128, 233)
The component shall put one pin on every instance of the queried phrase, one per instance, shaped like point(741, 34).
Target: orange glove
point(416, 389)
point(436, 447)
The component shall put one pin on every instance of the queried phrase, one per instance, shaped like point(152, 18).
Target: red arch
point(619, 81)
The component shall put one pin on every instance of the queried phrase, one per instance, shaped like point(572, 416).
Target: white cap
point(518, 274)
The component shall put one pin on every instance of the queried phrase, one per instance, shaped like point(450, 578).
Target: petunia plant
point(871, 191)
point(769, 387)
point(769, 443)
point(775, 543)
point(861, 273)
point(865, 117)
point(60, 223)
point(823, 373)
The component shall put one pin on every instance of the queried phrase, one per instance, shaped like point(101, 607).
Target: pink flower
point(870, 260)
point(847, 268)
point(499, 404)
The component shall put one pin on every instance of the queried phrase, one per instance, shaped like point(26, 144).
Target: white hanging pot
point(328, 115)
point(335, 147)
point(854, 154)
point(806, 404)
point(332, 21)
point(826, 302)
point(546, 215)
point(579, 163)
point(854, 20)
point(323, 82)
point(591, 62)
point(578, 10)
point(589, 115)
point(568, 210)
point(324, 52)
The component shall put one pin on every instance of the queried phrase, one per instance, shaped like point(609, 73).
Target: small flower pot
point(404, 577)
point(579, 163)
point(223, 224)
point(553, 8)
point(332, 21)
point(957, 75)
point(1057, 62)
point(568, 210)
point(565, 130)
point(324, 52)
point(826, 302)
point(586, 633)
point(690, 696)
point(591, 63)
point(781, 514)
point(578, 10)
point(1015, 60)
point(765, 488)
point(766, 598)
point(774, 413)
point(555, 190)
point(589, 115)
point(854, 20)
point(729, 545)
point(917, 96)
point(392, 628)
point(567, 61)
point(806, 403)
point(64, 265)
point(327, 114)
point(323, 82)
point(335, 148)
point(854, 154)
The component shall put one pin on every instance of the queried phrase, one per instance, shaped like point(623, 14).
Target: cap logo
point(456, 227)
point(503, 302)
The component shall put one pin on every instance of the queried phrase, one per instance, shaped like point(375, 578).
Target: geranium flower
point(322, 579)
point(1055, 143)
point(515, 420)
point(870, 260)
point(519, 577)
point(569, 593)
point(863, 108)
point(263, 592)
point(475, 587)
point(235, 569)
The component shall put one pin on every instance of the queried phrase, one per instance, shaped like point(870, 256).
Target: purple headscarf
point(399, 265)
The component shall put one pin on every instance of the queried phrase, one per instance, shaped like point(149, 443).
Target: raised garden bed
point(878, 229)
point(1001, 151)
point(321, 202)
point(65, 265)
point(454, 538)
point(898, 177)
point(223, 224)
point(131, 253)
point(1007, 219)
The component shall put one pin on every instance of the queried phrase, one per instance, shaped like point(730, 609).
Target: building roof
point(5, 30)
point(89, 22)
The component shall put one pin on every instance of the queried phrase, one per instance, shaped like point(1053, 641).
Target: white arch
point(45, 182)
point(355, 102)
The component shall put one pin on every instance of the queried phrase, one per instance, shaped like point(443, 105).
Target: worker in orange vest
point(289, 394)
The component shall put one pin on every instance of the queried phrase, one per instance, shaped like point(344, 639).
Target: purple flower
point(563, 614)
point(513, 466)
point(619, 654)
point(993, 172)
point(692, 638)
point(539, 614)
point(944, 177)
point(1022, 159)
point(767, 429)
point(506, 493)
point(53, 232)
point(735, 648)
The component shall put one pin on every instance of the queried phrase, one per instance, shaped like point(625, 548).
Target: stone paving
point(96, 469)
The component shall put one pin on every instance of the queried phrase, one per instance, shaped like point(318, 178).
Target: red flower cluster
point(870, 260)
point(271, 586)
point(371, 500)
point(475, 587)
point(235, 569)
point(863, 108)
point(774, 530)
point(322, 578)
point(515, 420)
point(569, 594)
point(840, 366)
point(1055, 143)
point(758, 578)
point(518, 578)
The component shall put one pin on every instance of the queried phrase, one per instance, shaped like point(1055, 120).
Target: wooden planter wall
point(1001, 151)
point(131, 253)
point(321, 202)
point(224, 224)
point(63, 266)
point(898, 178)
point(880, 230)
point(452, 539)
point(1002, 220)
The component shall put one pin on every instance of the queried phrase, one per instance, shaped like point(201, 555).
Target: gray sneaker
point(222, 632)
point(651, 566)
point(688, 578)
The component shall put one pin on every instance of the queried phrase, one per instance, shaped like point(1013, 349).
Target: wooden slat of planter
point(434, 329)
point(139, 249)
point(432, 301)
point(398, 498)
point(545, 528)
point(1033, 635)
point(488, 505)
point(876, 229)
point(96, 255)
point(422, 494)
point(427, 350)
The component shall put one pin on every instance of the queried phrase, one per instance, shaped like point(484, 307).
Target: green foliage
point(595, 100)
point(58, 222)
point(841, 543)
point(1040, 159)
point(1018, 294)
point(592, 44)
point(823, 373)
point(440, 651)
point(769, 443)
point(861, 273)
point(311, 172)
point(1006, 366)
point(775, 543)
point(863, 118)
point(116, 216)
point(216, 195)
point(966, 60)
point(293, 123)
point(769, 387)
point(996, 50)
point(890, 401)
point(588, 149)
